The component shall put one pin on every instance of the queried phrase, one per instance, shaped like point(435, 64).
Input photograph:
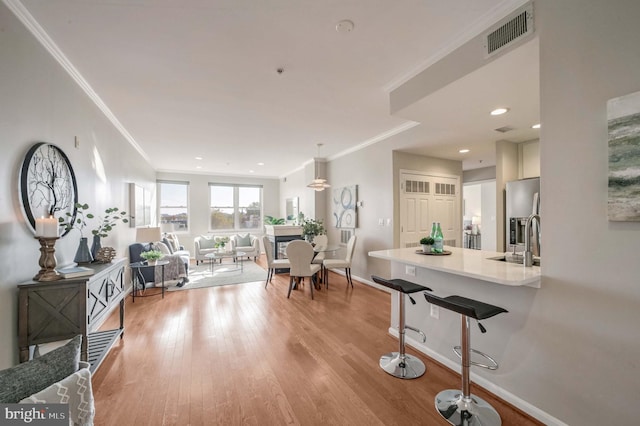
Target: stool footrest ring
point(424, 337)
point(492, 366)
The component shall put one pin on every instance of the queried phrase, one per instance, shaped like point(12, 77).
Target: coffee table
point(237, 256)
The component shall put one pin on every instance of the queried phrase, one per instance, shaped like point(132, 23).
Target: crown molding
point(47, 42)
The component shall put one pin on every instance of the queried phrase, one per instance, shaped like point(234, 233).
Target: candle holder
point(47, 260)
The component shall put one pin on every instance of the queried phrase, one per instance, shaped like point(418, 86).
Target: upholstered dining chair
point(272, 263)
point(300, 254)
point(321, 241)
point(340, 263)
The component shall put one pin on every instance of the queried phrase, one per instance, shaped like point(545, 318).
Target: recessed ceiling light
point(251, 171)
point(198, 167)
point(536, 126)
point(260, 164)
point(198, 158)
point(499, 111)
point(463, 151)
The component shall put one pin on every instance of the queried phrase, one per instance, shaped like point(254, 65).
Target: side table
point(137, 277)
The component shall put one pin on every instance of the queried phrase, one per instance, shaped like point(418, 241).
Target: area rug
point(223, 274)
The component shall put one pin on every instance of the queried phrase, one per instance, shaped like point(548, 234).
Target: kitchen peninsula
point(475, 275)
point(477, 264)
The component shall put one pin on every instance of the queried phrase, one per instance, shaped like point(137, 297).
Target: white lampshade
point(318, 184)
point(148, 235)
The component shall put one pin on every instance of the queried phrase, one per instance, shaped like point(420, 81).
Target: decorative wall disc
point(47, 184)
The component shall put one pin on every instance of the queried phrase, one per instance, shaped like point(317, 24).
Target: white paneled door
point(425, 199)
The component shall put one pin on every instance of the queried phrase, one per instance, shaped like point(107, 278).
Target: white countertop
point(469, 263)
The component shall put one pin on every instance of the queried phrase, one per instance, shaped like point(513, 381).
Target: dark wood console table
point(59, 310)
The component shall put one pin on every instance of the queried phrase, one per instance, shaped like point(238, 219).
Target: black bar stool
point(464, 408)
point(400, 364)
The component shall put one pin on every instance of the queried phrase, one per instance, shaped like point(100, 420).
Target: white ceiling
point(197, 78)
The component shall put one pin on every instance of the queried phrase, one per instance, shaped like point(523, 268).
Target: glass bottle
point(438, 239)
point(434, 230)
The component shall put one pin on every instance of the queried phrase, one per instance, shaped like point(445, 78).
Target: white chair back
point(351, 245)
point(321, 242)
point(268, 249)
point(300, 254)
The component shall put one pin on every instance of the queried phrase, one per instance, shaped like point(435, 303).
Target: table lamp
point(148, 235)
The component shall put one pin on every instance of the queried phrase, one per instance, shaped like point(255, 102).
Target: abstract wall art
point(623, 119)
point(344, 202)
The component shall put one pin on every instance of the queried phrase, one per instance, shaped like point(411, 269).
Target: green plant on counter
point(270, 220)
point(151, 255)
point(427, 241)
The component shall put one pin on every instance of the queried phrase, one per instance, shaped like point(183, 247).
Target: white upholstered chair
point(272, 263)
point(247, 243)
point(321, 241)
point(341, 263)
point(300, 254)
point(204, 244)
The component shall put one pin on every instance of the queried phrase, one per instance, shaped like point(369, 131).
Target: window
point(235, 207)
point(174, 206)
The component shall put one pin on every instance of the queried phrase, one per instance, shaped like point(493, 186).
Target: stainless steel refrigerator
point(522, 199)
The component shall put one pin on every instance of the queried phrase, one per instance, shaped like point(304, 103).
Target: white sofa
point(250, 244)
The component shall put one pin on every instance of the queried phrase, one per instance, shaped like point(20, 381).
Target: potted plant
point(427, 243)
point(311, 228)
point(270, 220)
point(83, 255)
point(151, 256)
point(221, 243)
point(109, 221)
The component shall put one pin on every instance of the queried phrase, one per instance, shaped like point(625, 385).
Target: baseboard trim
point(363, 281)
point(512, 399)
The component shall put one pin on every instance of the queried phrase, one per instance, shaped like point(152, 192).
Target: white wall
point(588, 334)
point(40, 102)
point(489, 217)
point(529, 159)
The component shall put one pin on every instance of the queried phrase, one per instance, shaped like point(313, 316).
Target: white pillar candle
point(40, 227)
point(47, 227)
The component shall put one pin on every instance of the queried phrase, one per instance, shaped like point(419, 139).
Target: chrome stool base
point(409, 368)
point(473, 411)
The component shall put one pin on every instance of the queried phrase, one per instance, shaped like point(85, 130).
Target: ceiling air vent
point(512, 28)
point(504, 129)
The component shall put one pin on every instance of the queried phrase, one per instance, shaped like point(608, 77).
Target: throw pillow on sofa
point(162, 247)
point(25, 379)
point(207, 243)
point(243, 241)
point(169, 245)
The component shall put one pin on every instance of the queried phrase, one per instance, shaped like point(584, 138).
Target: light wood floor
point(241, 354)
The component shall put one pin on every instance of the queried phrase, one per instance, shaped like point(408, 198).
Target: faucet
point(528, 254)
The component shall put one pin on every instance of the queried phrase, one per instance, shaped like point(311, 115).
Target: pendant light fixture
point(318, 184)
